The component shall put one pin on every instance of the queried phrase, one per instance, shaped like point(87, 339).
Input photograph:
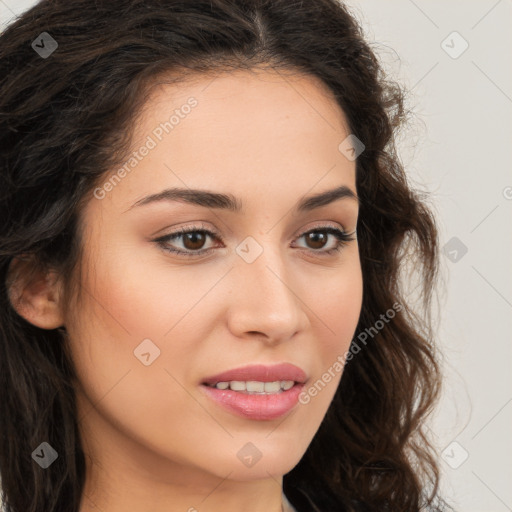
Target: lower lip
point(255, 407)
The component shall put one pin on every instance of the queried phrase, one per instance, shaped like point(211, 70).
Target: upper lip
point(261, 373)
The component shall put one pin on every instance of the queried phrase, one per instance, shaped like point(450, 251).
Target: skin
point(154, 442)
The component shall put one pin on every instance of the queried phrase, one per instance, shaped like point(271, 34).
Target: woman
point(205, 228)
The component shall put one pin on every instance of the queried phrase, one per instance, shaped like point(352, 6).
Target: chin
point(275, 464)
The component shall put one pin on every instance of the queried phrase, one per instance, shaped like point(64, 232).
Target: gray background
point(458, 148)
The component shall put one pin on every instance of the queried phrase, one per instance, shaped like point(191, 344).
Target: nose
point(264, 301)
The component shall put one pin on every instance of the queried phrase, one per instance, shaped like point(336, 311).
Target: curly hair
point(65, 120)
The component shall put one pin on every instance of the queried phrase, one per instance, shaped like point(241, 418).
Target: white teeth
point(269, 387)
point(287, 384)
point(256, 387)
point(237, 385)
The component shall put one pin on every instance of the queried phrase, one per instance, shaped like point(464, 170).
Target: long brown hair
point(66, 118)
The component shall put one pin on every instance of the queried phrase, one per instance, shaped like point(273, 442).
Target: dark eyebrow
point(231, 203)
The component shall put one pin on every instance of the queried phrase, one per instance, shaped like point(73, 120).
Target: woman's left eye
point(193, 240)
point(320, 235)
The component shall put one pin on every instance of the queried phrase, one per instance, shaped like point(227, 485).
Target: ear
point(35, 294)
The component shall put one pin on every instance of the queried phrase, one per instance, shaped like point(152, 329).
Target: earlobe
point(37, 299)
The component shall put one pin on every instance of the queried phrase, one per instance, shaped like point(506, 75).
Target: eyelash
point(342, 239)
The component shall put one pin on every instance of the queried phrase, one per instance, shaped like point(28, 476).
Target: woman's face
point(154, 324)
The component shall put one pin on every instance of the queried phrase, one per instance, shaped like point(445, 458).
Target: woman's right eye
point(193, 240)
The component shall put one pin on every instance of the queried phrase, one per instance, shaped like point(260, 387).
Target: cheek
point(119, 312)
point(334, 317)
point(146, 295)
point(131, 308)
point(337, 306)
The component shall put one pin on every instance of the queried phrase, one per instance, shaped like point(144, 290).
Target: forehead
point(260, 108)
point(239, 131)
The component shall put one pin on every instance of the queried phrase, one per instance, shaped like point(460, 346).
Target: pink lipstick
point(257, 392)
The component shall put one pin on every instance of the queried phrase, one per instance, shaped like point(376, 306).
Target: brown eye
point(194, 240)
point(316, 239)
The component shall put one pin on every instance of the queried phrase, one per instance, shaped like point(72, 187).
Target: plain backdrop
point(454, 57)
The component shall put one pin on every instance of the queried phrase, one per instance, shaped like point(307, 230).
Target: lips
point(261, 373)
point(257, 406)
